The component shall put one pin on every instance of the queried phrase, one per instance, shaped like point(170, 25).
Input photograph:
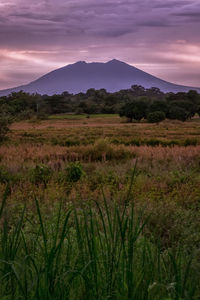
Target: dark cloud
point(189, 14)
point(155, 23)
point(170, 4)
point(192, 16)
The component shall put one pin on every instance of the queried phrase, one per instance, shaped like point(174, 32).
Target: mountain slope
point(79, 77)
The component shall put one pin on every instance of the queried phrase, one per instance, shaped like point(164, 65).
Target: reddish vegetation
point(16, 156)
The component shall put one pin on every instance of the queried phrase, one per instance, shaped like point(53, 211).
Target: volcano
point(113, 76)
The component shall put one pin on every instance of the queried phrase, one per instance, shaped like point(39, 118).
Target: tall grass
point(91, 251)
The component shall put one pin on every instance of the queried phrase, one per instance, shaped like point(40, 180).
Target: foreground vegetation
point(96, 208)
point(90, 253)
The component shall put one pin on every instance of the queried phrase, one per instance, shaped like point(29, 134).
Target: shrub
point(74, 172)
point(25, 115)
point(42, 116)
point(190, 142)
point(4, 175)
point(5, 121)
point(65, 143)
point(156, 117)
point(135, 142)
point(40, 174)
point(7, 177)
point(103, 150)
point(69, 143)
point(153, 142)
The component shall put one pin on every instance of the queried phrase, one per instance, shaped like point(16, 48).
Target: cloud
point(171, 4)
point(191, 16)
point(40, 35)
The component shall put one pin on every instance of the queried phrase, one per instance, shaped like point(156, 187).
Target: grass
point(76, 224)
point(80, 117)
point(89, 251)
point(61, 130)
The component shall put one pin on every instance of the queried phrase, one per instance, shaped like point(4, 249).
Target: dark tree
point(177, 113)
point(156, 117)
point(158, 105)
point(5, 122)
point(134, 110)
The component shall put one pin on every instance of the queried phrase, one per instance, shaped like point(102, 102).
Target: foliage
point(74, 172)
point(89, 252)
point(134, 103)
point(5, 176)
point(158, 105)
point(156, 117)
point(40, 174)
point(136, 241)
point(5, 121)
point(177, 113)
point(134, 110)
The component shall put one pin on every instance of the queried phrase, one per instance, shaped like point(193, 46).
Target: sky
point(160, 37)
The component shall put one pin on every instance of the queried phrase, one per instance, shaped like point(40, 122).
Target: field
point(97, 208)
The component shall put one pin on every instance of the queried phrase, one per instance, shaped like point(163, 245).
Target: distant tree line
point(179, 106)
point(136, 103)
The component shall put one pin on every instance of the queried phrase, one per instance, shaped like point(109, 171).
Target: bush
point(74, 172)
point(190, 142)
point(42, 116)
point(40, 174)
point(65, 143)
point(135, 142)
point(26, 114)
point(153, 142)
point(5, 121)
point(156, 117)
point(103, 150)
point(4, 175)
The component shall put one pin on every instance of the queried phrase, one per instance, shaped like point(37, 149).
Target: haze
point(159, 37)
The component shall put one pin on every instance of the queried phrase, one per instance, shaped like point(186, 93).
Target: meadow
point(93, 207)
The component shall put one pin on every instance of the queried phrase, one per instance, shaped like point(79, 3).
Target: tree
point(91, 92)
point(4, 126)
point(193, 96)
point(134, 110)
point(189, 107)
point(156, 117)
point(138, 90)
point(154, 92)
point(177, 113)
point(158, 105)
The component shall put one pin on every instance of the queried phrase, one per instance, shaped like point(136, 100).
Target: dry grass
point(104, 162)
point(21, 156)
point(92, 129)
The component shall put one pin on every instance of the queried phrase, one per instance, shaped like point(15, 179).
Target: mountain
point(79, 77)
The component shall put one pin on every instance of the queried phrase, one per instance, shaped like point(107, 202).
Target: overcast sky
point(158, 36)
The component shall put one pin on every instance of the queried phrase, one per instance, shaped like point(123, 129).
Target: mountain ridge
point(113, 75)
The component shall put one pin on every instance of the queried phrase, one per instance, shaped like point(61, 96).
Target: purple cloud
point(38, 36)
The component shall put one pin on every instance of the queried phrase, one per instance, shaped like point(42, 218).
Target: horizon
point(159, 38)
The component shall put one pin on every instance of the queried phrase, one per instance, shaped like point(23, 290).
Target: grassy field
point(96, 208)
point(80, 117)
